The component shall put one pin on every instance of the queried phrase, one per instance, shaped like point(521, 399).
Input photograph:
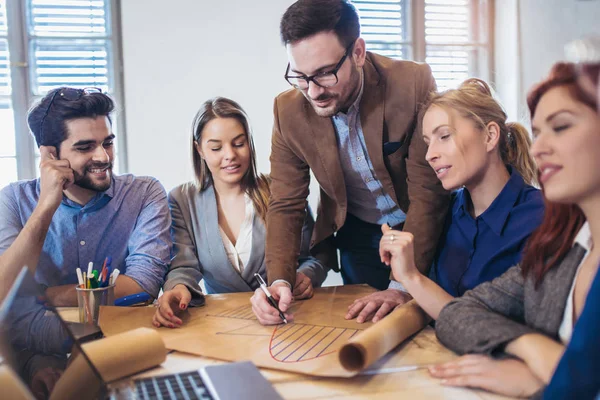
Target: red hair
point(553, 239)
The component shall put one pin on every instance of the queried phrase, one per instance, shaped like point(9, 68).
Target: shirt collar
point(497, 213)
point(98, 201)
point(584, 237)
point(110, 192)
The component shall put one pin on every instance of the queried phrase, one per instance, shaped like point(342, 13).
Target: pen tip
point(285, 320)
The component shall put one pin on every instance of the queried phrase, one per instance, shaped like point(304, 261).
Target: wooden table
point(401, 385)
point(414, 384)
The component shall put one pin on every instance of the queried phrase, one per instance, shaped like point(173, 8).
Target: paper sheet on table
point(226, 329)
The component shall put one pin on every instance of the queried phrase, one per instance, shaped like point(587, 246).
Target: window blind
point(446, 31)
point(384, 26)
point(450, 34)
point(4, 58)
point(69, 44)
point(8, 160)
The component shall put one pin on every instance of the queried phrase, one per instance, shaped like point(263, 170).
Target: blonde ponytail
point(516, 152)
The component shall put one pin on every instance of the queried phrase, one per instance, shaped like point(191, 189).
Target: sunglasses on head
point(67, 94)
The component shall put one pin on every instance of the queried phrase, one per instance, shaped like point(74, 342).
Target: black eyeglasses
point(323, 79)
point(68, 94)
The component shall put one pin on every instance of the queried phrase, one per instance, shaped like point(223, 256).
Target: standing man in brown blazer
point(352, 119)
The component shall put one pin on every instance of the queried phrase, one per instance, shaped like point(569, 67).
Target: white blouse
point(239, 255)
point(584, 239)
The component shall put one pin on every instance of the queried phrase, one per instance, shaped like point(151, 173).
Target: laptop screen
point(38, 344)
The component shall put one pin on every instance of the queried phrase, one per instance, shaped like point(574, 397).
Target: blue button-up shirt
point(476, 250)
point(367, 200)
point(129, 222)
point(576, 376)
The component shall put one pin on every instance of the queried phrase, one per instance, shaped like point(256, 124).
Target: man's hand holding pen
point(264, 311)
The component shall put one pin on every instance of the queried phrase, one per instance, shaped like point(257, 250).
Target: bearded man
point(352, 117)
point(78, 211)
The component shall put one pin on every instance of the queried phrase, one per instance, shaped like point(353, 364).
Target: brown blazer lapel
point(372, 107)
point(325, 142)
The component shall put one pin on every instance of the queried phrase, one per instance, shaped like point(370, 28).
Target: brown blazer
point(389, 112)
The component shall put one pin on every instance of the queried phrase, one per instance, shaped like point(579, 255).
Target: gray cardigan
point(495, 313)
point(199, 253)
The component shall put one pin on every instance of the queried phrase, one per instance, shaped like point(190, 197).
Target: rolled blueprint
point(114, 357)
point(126, 353)
point(379, 339)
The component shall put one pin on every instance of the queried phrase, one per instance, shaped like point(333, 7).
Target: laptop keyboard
point(187, 386)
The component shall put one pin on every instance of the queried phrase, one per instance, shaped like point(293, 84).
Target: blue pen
point(132, 299)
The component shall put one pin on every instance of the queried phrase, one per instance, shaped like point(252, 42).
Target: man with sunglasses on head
point(78, 211)
point(352, 118)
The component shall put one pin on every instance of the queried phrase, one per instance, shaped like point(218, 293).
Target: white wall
point(178, 54)
point(546, 26)
point(530, 37)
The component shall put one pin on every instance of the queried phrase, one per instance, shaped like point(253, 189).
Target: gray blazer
point(199, 253)
point(493, 314)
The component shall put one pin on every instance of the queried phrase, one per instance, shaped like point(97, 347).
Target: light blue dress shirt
point(129, 222)
point(367, 200)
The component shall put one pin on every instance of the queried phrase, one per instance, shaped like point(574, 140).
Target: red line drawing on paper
point(293, 342)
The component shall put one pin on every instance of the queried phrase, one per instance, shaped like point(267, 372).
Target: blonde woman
point(484, 159)
point(474, 151)
point(218, 221)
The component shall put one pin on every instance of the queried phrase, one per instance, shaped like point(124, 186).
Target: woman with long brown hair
point(529, 312)
point(218, 224)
